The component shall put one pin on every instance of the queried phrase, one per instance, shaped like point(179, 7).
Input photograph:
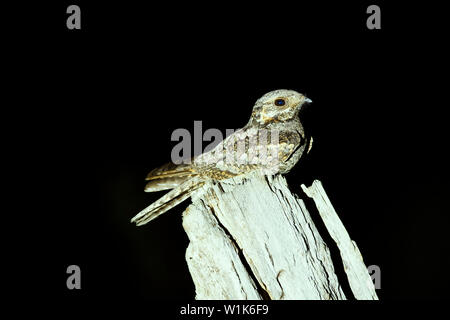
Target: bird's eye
point(280, 102)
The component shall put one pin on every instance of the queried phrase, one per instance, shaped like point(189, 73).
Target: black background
point(94, 109)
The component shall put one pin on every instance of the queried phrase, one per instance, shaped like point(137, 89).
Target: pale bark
point(357, 274)
point(251, 238)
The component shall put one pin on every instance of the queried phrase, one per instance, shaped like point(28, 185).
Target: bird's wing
point(168, 201)
point(247, 150)
point(168, 176)
point(288, 144)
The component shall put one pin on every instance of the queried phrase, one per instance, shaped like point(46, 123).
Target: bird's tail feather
point(168, 201)
point(165, 183)
point(168, 176)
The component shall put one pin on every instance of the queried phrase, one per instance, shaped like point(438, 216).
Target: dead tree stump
point(251, 238)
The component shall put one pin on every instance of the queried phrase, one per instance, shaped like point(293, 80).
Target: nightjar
point(272, 142)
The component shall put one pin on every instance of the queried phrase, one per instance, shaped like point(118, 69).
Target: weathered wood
point(357, 274)
point(251, 238)
point(213, 260)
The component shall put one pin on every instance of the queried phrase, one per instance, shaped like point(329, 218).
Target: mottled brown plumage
point(254, 147)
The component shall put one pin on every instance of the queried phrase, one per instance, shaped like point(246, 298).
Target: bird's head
point(278, 106)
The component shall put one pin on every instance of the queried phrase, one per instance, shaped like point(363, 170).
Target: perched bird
point(272, 142)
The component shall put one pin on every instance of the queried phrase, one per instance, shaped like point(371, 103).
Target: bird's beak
point(308, 100)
